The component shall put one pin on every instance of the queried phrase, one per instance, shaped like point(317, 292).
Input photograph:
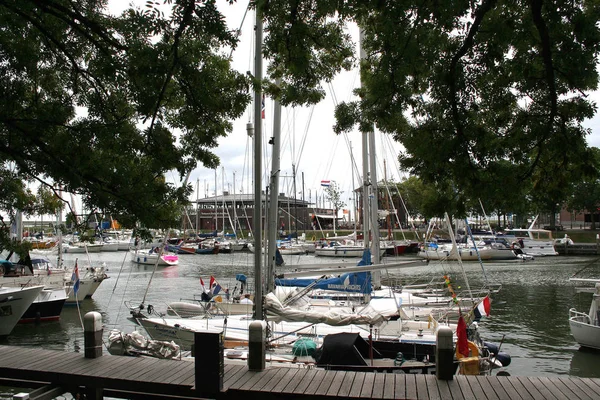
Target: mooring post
point(92, 343)
point(92, 334)
point(209, 366)
point(257, 338)
point(444, 354)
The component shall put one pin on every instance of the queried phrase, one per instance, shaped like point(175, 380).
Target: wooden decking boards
point(164, 378)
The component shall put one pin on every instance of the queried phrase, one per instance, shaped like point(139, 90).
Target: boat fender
point(150, 308)
point(492, 347)
point(504, 358)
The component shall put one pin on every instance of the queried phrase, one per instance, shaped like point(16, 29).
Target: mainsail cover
point(277, 312)
point(351, 282)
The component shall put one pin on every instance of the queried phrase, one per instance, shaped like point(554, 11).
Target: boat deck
point(130, 377)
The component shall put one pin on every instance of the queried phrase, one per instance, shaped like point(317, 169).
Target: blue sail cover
point(351, 282)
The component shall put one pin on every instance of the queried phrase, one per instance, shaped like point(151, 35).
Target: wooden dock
point(57, 372)
point(578, 249)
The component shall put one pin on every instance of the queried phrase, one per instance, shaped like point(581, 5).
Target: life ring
point(473, 351)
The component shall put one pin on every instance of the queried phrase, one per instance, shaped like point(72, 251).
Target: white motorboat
point(14, 301)
point(150, 257)
point(585, 328)
point(533, 241)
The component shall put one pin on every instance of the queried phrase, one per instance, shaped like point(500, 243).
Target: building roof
point(248, 198)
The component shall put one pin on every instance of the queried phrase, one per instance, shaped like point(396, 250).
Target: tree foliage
point(104, 106)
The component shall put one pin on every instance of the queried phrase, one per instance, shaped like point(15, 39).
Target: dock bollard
point(257, 338)
point(444, 354)
point(92, 334)
point(209, 365)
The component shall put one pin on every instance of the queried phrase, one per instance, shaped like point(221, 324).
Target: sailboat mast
point(274, 195)
point(257, 215)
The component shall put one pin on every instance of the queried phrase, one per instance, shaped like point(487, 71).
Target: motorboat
point(152, 257)
point(14, 301)
point(585, 328)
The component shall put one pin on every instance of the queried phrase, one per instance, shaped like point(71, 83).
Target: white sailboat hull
point(14, 301)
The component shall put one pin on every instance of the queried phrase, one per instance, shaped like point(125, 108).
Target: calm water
point(530, 312)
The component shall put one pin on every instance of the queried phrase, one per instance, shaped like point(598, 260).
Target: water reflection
point(585, 363)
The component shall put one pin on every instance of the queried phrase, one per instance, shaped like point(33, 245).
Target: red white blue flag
point(326, 183)
point(262, 107)
point(215, 288)
point(484, 307)
point(75, 278)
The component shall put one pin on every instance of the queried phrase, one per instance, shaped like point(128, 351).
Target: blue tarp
point(353, 282)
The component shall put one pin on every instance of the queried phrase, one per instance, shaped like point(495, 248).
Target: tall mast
point(274, 195)
point(257, 215)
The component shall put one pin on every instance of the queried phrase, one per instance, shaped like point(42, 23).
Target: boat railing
point(578, 316)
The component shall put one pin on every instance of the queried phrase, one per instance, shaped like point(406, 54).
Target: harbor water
point(529, 315)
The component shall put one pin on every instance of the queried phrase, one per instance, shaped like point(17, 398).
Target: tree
point(333, 194)
point(104, 106)
point(586, 195)
point(477, 91)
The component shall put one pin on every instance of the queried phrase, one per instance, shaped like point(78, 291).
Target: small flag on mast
point(75, 278)
point(325, 183)
point(262, 107)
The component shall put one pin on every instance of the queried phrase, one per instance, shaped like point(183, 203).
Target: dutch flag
point(326, 183)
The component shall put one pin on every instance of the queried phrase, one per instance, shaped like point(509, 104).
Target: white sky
point(307, 137)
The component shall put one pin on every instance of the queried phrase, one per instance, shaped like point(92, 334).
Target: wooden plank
point(546, 394)
point(233, 375)
point(254, 380)
point(517, 385)
point(326, 383)
point(574, 388)
point(285, 380)
point(455, 390)
point(503, 389)
point(184, 372)
point(421, 385)
point(336, 384)
point(357, 384)
point(378, 385)
point(433, 386)
point(318, 379)
point(479, 391)
point(588, 385)
point(390, 387)
point(557, 388)
point(273, 379)
point(188, 378)
point(444, 389)
point(57, 359)
point(243, 379)
point(409, 387)
point(529, 387)
point(170, 372)
point(131, 374)
point(344, 389)
point(367, 387)
point(112, 368)
point(11, 354)
point(465, 387)
point(304, 382)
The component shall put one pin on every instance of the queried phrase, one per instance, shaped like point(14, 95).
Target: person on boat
point(246, 299)
point(521, 243)
point(516, 248)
